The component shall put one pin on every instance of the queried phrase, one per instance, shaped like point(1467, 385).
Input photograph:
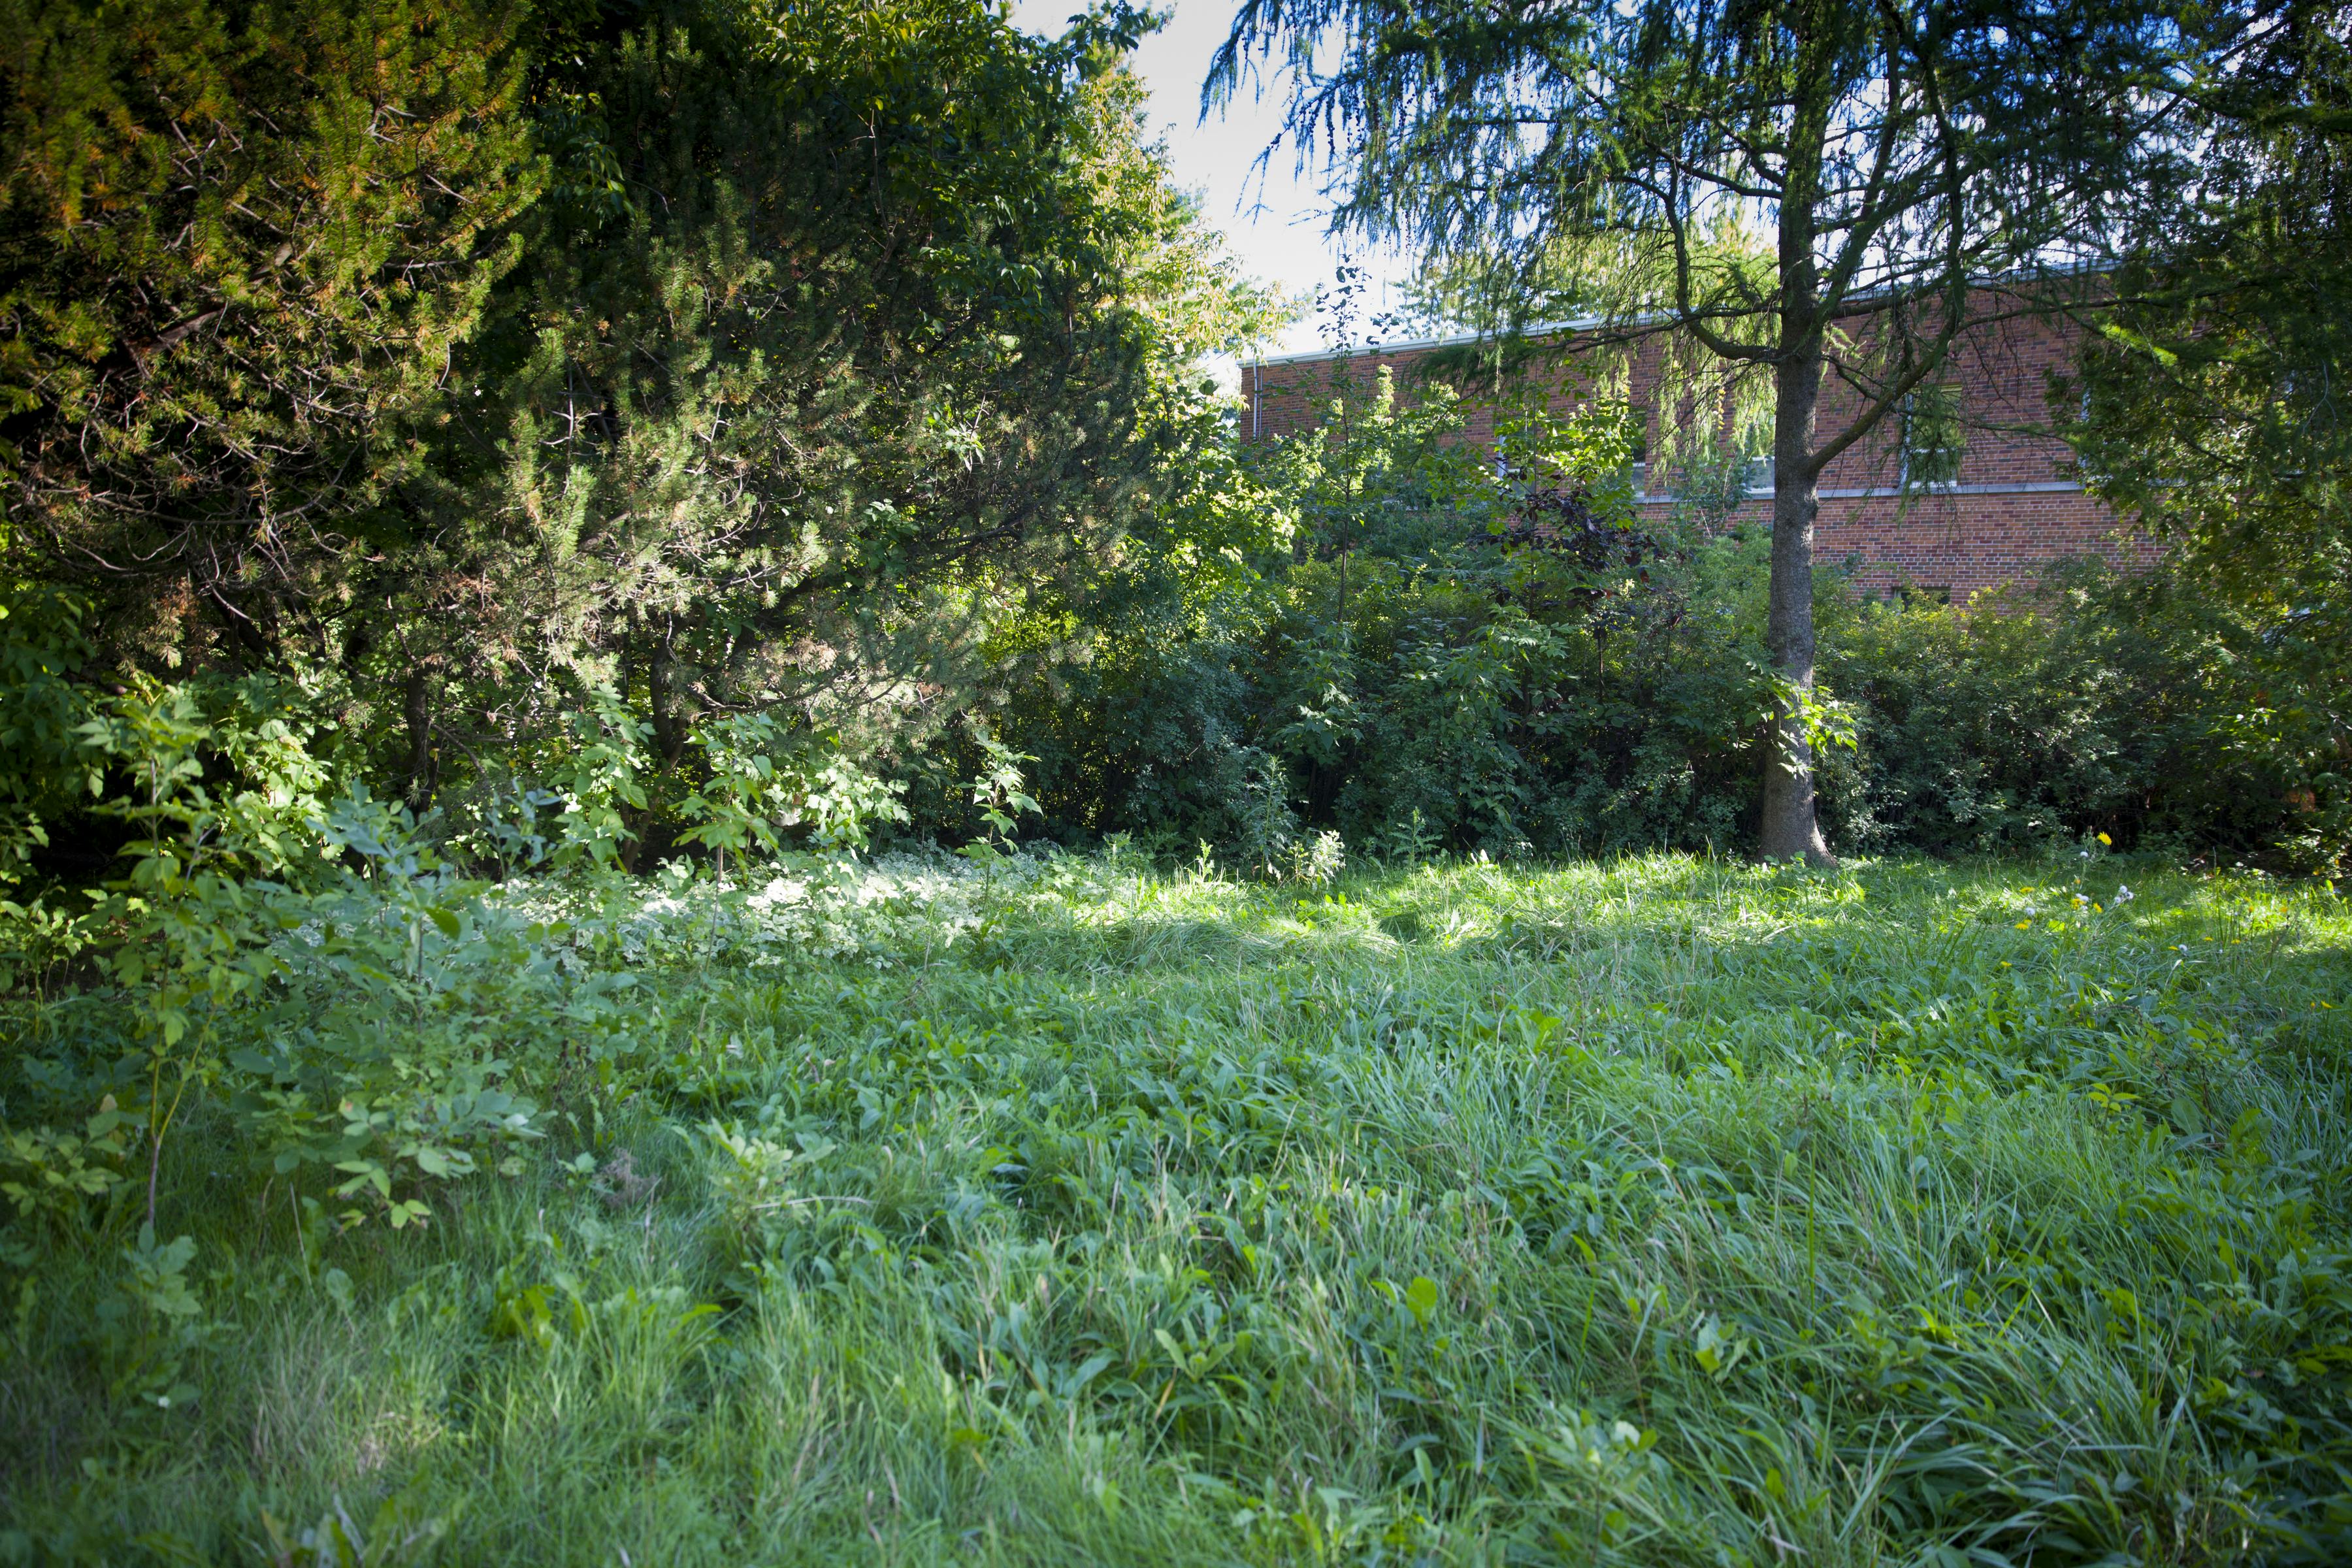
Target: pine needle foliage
point(239, 246)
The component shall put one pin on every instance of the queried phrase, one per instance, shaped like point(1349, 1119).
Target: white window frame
point(1903, 449)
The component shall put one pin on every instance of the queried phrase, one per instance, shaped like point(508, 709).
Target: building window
point(1933, 440)
point(2085, 472)
point(1758, 481)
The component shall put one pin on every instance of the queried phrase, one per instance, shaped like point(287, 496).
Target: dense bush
point(2096, 703)
point(533, 392)
point(1447, 657)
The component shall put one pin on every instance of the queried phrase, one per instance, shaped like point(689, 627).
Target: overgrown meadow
point(1025, 1208)
point(524, 523)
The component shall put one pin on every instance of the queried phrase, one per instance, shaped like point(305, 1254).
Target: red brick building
point(2005, 501)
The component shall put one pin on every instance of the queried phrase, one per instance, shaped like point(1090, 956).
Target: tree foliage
point(846, 368)
point(613, 430)
point(534, 384)
point(2213, 404)
point(239, 247)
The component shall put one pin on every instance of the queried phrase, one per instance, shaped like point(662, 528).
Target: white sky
point(1275, 216)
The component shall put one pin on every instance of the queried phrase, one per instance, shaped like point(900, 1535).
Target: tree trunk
point(418, 708)
point(1790, 826)
point(661, 676)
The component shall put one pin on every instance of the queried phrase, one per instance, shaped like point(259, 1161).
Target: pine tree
point(239, 243)
point(846, 339)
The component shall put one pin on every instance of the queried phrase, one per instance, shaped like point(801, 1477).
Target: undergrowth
point(1041, 1210)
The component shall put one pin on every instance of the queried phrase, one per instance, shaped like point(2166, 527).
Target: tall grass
point(1659, 1211)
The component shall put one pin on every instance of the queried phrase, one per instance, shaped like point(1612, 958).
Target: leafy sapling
point(997, 789)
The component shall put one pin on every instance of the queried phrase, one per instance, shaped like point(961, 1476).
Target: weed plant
point(1656, 1211)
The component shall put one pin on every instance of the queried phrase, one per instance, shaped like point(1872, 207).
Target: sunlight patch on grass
point(1654, 1211)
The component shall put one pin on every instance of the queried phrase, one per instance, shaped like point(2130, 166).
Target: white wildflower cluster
point(881, 911)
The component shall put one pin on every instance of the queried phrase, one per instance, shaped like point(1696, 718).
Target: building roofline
point(1449, 340)
point(1587, 323)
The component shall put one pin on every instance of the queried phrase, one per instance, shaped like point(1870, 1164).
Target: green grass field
point(1654, 1212)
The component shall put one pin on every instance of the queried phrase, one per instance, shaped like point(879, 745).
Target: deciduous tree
point(1793, 192)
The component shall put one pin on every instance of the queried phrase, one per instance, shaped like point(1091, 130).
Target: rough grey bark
point(1791, 825)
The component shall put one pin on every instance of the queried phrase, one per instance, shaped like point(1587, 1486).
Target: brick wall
point(2015, 507)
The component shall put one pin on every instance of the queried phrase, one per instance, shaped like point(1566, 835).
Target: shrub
point(1468, 659)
